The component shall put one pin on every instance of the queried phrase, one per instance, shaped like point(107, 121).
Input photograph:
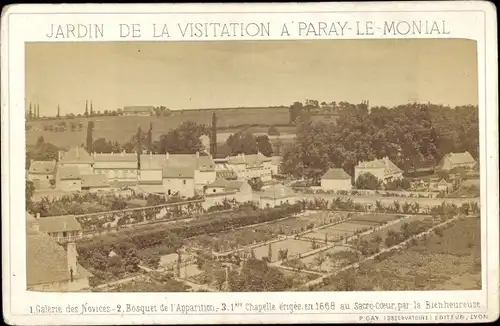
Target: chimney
point(123, 152)
point(167, 156)
point(59, 156)
point(37, 216)
point(72, 262)
point(197, 154)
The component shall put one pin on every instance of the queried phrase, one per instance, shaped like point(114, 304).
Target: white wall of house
point(214, 190)
point(203, 178)
point(336, 184)
point(217, 200)
point(41, 181)
point(244, 194)
point(150, 175)
point(70, 185)
point(447, 165)
point(185, 187)
point(66, 236)
point(239, 170)
point(119, 174)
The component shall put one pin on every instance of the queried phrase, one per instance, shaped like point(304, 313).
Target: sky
point(215, 74)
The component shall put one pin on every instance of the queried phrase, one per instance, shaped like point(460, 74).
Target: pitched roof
point(249, 159)
point(115, 157)
point(94, 180)
point(42, 167)
point(234, 184)
point(336, 174)
point(226, 174)
point(194, 161)
point(58, 224)
point(218, 183)
point(388, 166)
point(76, 155)
point(47, 261)
point(170, 172)
point(69, 173)
point(150, 163)
point(143, 108)
point(277, 192)
point(460, 158)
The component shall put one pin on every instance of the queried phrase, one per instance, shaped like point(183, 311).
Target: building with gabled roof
point(49, 267)
point(178, 179)
point(62, 229)
point(144, 110)
point(41, 173)
point(249, 166)
point(77, 157)
point(118, 167)
point(68, 178)
point(383, 169)
point(457, 160)
point(336, 179)
point(95, 182)
point(277, 195)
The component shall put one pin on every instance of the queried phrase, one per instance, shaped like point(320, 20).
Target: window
point(214, 190)
point(183, 181)
point(65, 234)
point(47, 177)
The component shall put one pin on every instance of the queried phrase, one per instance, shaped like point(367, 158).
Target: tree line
point(412, 136)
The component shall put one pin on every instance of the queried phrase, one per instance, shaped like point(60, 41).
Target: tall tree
point(184, 139)
point(91, 109)
point(90, 130)
point(38, 111)
point(213, 136)
point(150, 137)
point(86, 108)
point(242, 143)
point(58, 112)
point(30, 113)
point(139, 140)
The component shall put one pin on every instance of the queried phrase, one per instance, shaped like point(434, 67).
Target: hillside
point(121, 128)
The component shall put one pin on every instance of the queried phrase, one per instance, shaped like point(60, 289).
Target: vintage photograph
point(252, 166)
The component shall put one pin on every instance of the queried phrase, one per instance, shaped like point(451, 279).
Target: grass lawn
point(375, 218)
point(294, 247)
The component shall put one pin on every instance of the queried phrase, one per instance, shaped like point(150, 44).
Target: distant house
point(336, 179)
point(203, 167)
point(178, 180)
point(384, 169)
point(218, 186)
point(48, 266)
point(444, 186)
point(457, 160)
point(119, 168)
point(276, 196)
point(243, 190)
point(138, 110)
point(68, 178)
point(95, 182)
point(328, 118)
point(61, 228)
point(77, 157)
point(41, 173)
point(251, 166)
point(151, 172)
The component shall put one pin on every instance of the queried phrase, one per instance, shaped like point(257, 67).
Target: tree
point(263, 145)
point(58, 112)
point(270, 253)
point(183, 140)
point(90, 142)
point(213, 136)
point(38, 111)
point(273, 131)
point(150, 137)
point(320, 259)
point(367, 181)
point(256, 183)
point(242, 143)
point(86, 108)
point(91, 109)
point(296, 111)
point(30, 191)
point(30, 113)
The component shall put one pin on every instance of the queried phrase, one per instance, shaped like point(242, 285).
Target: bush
point(368, 181)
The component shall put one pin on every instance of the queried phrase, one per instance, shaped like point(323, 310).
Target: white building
point(41, 173)
point(457, 160)
point(178, 180)
point(336, 179)
point(383, 169)
point(138, 110)
point(95, 182)
point(68, 178)
point(277, 195)
point(251, 166)
point(77, 157)
point(220, 190)
point(120, 168)
point(61, 228)
point(275, 165)
point(202, 166)
point(48, 266)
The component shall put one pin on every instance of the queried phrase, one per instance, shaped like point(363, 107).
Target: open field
point(330, 262)
point(374, 218)
point(107, 127)
point(447, 262)
point(294, 247)
point(394, 227)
